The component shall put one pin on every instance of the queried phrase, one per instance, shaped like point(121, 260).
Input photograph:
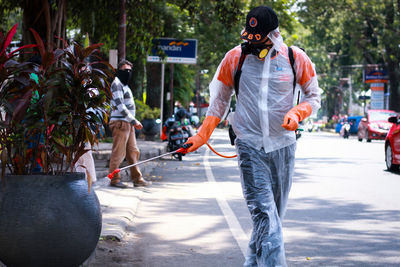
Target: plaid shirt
point(122, 102)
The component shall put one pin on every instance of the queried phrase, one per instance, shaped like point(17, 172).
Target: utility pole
point(122, 31)
point(162, 95)
point(171, 87)
point(198, 94)
point(351, 95)
point(348, 81)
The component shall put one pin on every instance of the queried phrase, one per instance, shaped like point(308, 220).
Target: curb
point(119, 205)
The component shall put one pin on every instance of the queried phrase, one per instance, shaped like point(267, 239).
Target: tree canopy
point(354, 32)
point(335, 34)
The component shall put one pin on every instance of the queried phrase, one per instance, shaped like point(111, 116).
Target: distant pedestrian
point(123, 124)
point(264, 123)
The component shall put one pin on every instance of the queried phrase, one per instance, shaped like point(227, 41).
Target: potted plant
point(148, 117)
point(50, 218)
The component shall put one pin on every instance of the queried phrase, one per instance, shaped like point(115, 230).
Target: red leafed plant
point(48, 120)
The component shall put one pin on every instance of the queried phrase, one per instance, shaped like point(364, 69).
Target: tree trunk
point(394, 97)
point(330, 103)
point(33, 17)
point(122, 31)
point(49, 30)
point(392, 57)
point(153, 89)
point(59, 22)
point(136, 83)
point(49, 23)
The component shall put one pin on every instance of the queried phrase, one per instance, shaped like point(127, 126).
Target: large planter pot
point(48, 220)
point(150, 129)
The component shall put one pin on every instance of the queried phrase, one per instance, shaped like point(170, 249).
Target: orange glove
point(205, 131)
point(296, 114)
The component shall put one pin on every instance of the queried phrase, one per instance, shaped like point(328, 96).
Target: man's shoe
point(141, 182)
point(119, 185)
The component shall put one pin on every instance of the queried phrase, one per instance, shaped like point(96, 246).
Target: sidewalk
point(119, 205)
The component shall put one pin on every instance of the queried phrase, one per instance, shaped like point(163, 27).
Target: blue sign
point(376, 76)
point(172, 50)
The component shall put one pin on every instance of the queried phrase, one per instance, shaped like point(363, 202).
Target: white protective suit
point(265, 93)
point(266, 151)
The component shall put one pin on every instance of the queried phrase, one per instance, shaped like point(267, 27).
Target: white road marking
point(237, 231)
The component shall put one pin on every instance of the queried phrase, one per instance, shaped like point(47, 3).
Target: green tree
point(366, 32)
point(216, 24)
point(48, 18)
point(213, 23)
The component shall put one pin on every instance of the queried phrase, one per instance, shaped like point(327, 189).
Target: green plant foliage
point(144, 111)
point(183, 83)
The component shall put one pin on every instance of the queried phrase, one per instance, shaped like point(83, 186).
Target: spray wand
point(182, 150)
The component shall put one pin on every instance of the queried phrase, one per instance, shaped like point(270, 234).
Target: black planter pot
point(150, 129)
point(137, 133)
point(48, 220)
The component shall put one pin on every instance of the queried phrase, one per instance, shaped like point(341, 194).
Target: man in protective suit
point(264, 123)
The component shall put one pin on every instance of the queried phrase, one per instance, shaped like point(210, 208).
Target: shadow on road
point(326, 223)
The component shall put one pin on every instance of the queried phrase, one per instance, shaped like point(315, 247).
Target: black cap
point(260, 21)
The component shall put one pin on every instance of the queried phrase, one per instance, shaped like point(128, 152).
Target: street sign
point(364, 97)
point(376, 76)
point(171, 50)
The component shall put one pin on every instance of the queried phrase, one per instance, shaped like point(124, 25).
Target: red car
point(376, 125)
point(392, 145)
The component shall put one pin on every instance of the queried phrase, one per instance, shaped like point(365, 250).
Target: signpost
point(113, 55)
point(171, 50)
point(377, 80)
point(364, 97)
point(376, 76)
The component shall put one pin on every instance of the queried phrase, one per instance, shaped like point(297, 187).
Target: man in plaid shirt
point(123, 124)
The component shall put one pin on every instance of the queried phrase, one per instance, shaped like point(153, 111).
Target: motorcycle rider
point(264, 123)
point(346, 125)
point(184, 117)
point(180, 115)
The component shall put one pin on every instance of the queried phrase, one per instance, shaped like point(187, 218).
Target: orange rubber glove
point(205, 131)
point(296, 114)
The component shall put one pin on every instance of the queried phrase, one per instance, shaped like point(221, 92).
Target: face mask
point(124, 76)
point(259, 50)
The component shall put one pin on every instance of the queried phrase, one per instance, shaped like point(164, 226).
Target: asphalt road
point(344, 208)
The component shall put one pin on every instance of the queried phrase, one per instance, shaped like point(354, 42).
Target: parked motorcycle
point(177, 135)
